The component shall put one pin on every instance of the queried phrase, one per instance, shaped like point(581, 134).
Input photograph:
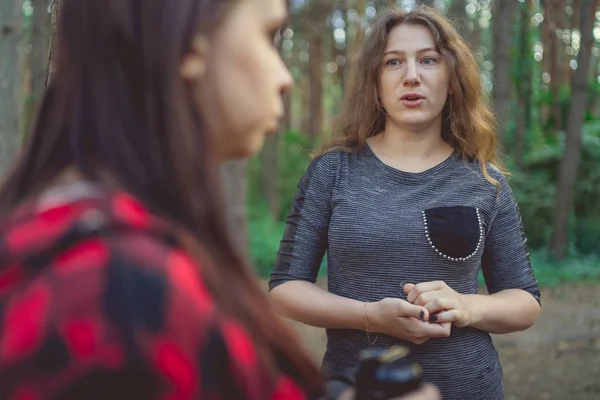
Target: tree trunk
point(562, 23)
point(567, 173)
point(547, 37)
point(304, 89)
point(502, 41)
point(574, 25)
point(343, 52)
point(286, 122)
point(11, 101)
point(317, 26)
point(553, 60)
point(360, 32)
point(457, 14)
point(304, 82)
point(233, 175)
point(523, 81)
point(475, 36)
point(55, 7)
point(41, 34)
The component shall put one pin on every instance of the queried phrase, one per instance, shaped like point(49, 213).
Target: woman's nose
point(412, 76)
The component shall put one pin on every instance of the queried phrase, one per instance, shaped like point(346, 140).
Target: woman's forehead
point(410, 38)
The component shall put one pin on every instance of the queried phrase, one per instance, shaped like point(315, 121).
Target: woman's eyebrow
point(402, 52)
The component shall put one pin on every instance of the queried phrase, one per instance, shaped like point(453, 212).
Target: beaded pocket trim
point(447, 257)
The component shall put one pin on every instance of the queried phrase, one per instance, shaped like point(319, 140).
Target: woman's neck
point(411, 151)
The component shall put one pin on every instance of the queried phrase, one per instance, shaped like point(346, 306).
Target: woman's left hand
point(443, 303)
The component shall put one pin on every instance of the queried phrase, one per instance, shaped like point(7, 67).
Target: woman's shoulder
point(495, 172)
point(336, 160)
point(323, 166)
point(472, 165)
point(328, 157)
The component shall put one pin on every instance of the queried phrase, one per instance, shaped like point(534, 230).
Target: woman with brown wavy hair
point(118, 277)
point(410, 202)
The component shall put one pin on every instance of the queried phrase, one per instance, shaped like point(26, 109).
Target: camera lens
point(387, 373)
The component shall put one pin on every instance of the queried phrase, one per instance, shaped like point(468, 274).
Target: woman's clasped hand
point(443, 304)
point(401, 319)
point(430, 310)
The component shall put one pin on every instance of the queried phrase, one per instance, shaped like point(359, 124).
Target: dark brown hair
point(471, 127)
point(117, 104)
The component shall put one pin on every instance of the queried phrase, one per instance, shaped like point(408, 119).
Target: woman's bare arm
point(307, 303)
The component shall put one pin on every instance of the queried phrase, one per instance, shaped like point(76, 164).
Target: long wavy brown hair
point(117, 103)
point(468, 122)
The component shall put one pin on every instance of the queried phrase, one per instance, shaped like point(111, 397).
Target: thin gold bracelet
point(367, 326)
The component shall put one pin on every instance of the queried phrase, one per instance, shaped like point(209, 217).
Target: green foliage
point(295, 152)
point(535, 193)
point(264, 236)
point(587, 208)
point(535, 189)
point(265, 230)
point(551, 272)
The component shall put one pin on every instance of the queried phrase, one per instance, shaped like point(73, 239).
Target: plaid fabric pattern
point(97, 301)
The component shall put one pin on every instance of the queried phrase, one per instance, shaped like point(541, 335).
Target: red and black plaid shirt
point(97, 302)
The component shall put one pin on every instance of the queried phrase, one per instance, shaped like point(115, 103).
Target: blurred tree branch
point(55, 7)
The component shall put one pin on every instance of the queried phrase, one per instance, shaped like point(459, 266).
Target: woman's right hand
point(403, 320)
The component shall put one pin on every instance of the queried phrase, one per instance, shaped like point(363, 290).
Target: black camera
point(381, 374)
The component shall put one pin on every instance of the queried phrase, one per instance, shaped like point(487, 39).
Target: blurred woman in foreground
point(118, 278)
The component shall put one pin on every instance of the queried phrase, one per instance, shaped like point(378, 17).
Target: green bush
point(534, 187)
point(587, 236)
point(551, 272)
point(295, 150)
point(264, 236)
point(265, 231)
point(535, 194)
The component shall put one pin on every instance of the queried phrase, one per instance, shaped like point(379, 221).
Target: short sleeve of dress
point(505, 262)
point(305, 238)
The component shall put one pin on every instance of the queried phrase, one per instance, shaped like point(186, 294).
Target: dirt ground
point(558, 358)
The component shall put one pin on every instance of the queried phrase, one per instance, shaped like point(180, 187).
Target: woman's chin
point(414, 122)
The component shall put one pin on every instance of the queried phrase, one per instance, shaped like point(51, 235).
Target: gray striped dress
point(380, 226)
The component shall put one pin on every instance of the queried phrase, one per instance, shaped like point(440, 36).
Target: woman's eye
point(393, 63)
point(428, 60)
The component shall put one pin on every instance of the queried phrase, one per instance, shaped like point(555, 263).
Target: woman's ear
point(193, 65)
